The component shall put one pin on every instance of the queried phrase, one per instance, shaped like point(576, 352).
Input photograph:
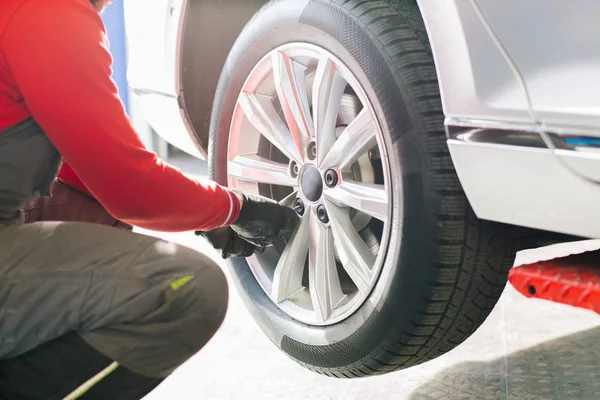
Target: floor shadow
point(566, 368)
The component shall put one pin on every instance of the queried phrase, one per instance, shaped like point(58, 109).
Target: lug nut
point(322, 214)
point(299, 207)
point(331, 178)
point(311, 152)
point(294, 169)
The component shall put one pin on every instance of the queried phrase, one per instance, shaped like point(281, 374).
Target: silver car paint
point(152, 66)
point(556, 47)
point(527, 187)
point(555, 44)
point(475, 78)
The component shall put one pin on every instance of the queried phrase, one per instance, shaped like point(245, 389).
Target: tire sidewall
point(397, 291)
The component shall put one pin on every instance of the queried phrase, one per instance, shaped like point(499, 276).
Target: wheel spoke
point(369, 198)
point(354, 254)
point(324, 281)
point(254, 168)
point(328, 89)
point(262, 115)
point(287, 278)
point(290, 83)
point(358, 138)
point(289, 200)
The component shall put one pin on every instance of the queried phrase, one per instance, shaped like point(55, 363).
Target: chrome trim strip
point(497, 136)
point(491, 124)
point(494, 133)
point(522, 135)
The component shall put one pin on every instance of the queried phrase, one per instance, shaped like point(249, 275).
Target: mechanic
point(84, 307)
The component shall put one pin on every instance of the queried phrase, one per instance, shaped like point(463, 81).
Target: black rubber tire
point(444, 269)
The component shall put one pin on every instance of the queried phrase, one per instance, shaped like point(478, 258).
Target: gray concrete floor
point(527, 349)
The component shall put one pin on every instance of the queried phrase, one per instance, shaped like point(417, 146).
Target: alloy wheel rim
point(304, 133)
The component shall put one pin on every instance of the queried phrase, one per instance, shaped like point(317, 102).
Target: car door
point(555, 46)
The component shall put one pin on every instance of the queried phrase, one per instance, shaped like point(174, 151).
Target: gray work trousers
point(143, 302)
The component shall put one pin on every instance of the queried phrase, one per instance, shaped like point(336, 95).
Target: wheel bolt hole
point(299, 207)
point(322, 214)
point(311, 152)
point(294, 169)
point(531, 290)
point(331, 178)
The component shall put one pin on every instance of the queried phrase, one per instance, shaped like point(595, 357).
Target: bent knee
point(202, 297)
point(170, 317)
point(208, 294)
point(195, 283)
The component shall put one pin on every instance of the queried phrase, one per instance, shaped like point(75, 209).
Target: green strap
point(81, 390)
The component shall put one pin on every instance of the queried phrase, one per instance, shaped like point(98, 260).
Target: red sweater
point(55, 67)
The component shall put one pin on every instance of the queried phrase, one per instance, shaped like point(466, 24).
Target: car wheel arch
point(207, 31)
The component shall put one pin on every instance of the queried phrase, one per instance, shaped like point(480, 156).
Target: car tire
point(444, 269)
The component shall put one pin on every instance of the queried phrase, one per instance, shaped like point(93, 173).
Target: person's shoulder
point(44, 15)
point(9, 8)
point(48, 5)
point(55, 9)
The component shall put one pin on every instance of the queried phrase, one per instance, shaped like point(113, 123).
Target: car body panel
point(151, 46)
point(153, 43)
point(476, 80)
point(527, 187)
point(556, 48)
point(551, 188)
point(521, 182)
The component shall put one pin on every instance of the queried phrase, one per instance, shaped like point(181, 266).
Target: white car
point(422, 142)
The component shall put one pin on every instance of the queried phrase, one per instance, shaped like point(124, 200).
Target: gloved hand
point(229, 243)
point(262, 220)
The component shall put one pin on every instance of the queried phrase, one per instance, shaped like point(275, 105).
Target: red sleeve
point(57, 52)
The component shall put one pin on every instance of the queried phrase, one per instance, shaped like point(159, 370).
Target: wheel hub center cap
point(312, 183)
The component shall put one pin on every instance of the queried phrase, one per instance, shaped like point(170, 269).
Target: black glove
point(229, 243)
point(263, 220)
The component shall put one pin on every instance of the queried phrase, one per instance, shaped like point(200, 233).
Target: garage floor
point(527, 349)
